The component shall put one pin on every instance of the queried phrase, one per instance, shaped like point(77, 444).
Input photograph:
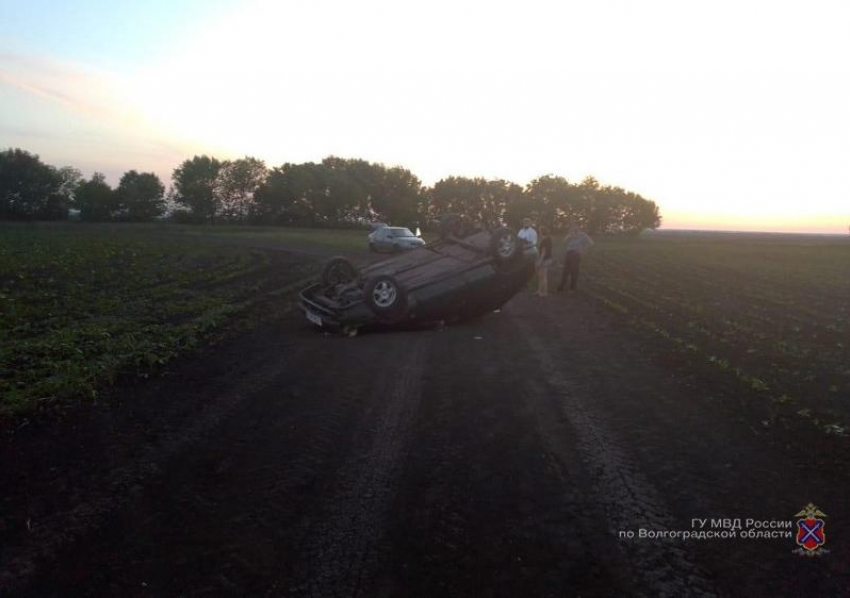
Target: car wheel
point(504, 245)
point(339, 270)
point(386, 298)
point(372, 248)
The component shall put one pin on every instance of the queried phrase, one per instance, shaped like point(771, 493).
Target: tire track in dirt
point(341, 546)
point(429, 517)
point(628, 498)
point(695, 446)
point(230, 519)
point(483, 507)
point(106, 496)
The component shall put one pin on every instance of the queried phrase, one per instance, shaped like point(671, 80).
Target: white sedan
point(393, 239)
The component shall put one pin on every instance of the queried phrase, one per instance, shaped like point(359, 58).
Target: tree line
point(335, 192)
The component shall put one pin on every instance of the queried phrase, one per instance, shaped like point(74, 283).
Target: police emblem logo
point(811, 532)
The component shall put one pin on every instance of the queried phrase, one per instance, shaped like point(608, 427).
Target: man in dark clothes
point(577, 245)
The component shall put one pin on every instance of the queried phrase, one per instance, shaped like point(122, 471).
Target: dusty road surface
point(500, 457)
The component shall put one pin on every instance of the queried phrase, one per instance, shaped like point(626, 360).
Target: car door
point(381, 238)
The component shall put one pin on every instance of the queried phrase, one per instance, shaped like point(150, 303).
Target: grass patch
point(81, 305)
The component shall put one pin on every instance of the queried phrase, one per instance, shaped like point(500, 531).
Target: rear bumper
point(331, 318)
point(315, 312)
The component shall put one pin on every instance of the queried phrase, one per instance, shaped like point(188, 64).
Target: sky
point(730, 115)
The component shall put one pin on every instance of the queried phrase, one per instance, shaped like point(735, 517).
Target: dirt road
point(502, 457)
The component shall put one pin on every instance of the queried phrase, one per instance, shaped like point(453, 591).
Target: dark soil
point(500, 457)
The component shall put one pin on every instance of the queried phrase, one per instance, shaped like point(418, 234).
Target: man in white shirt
point(527, 233)
point(577, 245)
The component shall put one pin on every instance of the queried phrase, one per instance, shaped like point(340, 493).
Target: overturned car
point(466, 273)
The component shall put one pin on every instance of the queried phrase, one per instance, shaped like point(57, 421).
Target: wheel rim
point(384, 293)
point(507, 246)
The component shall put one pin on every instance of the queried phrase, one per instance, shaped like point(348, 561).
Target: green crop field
point(342, 241)
point(770, 311)
point(83, 304)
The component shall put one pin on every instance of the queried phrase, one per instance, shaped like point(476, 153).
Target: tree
point(30, 189)
point(368, 186)
point(194, 182)
point(396, 196)
point(557, 202)
point(58, 202)
point(639, 214)
point(236, 185)
point(498, 195)
point(293, 194)
point(349, 187)
point(95, 199)
point(518, 205)
point(274, 199)
point(141, 196)
point(358, 190)
point(480, 200)
point(334, 192)
point(456, 195)
point(606, 210)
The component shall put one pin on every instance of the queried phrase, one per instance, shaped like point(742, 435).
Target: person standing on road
point(543, 262)
point(527, 233)
point(577, 245)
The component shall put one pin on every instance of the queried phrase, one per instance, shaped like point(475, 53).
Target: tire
point(505, 246)
point(452, 225)
point(372, 248)
point(339, 270)
point(386, 298)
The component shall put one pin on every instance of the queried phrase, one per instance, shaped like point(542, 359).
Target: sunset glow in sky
point(730, 115)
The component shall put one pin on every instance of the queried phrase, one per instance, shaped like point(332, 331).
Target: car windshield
point(401, 232)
